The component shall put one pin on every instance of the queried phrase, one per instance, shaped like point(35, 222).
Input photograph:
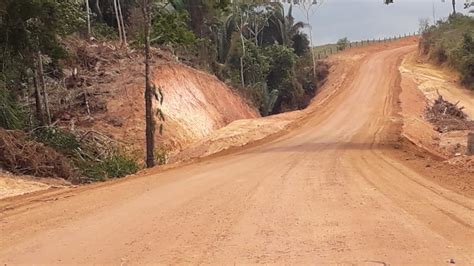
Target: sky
point(369, 19)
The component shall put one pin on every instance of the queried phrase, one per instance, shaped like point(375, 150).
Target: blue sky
point(368, 19)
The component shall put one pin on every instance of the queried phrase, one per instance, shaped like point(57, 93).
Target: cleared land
point(332, 189)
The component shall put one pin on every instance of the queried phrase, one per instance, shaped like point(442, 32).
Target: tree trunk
point(197, 12)
point(98, 11)
point(242, 77)
point(38, 105)
point(240, 27)
point(454, 7)
point(313, 56)
point(122, 25)
point(119, 28)
point(88, 16)
point(150, 123)
point(43, 88)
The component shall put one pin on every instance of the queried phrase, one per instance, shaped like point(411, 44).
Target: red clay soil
point(329, 191)
point(195, 104)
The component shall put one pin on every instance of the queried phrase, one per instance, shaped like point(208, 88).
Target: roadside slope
point(195, 104)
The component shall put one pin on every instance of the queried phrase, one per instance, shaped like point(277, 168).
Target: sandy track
point(328, 192)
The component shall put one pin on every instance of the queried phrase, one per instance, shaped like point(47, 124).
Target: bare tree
point(122, 25)
point(241, 20)
point(43, 86)
point(97, 10)
point(258, 20)
point(38, 104)
point(117, 17)
point(88, 17)
point(309, 8)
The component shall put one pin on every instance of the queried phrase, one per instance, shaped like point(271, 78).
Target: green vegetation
point(342, 44)
point(258, 51)
point(114, 166)
point(12, 115)
point(255, 46)
point(58, 139)
point(451, 42)
point(90, 162)
point(161, 156)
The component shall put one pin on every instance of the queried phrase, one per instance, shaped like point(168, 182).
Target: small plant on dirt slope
point(114, 166)
point(57, 138)
point(161, 156)
point(119, 166)
point(86, 158)
point(12, 115)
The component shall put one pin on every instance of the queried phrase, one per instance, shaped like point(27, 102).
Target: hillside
point(195, 105)
point(98, 104)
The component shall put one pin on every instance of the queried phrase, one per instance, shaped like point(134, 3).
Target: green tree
point(342, 44)
point(30, 31)
point(300, 43)
point(171, 28)
point(281, 74)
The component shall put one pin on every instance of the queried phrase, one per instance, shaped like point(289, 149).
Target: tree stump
point(470, 143)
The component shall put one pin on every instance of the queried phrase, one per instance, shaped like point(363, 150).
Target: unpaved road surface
point(328, 192)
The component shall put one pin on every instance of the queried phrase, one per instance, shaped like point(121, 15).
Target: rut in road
point(327, 192)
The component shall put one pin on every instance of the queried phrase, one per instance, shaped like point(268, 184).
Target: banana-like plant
point(285, 24)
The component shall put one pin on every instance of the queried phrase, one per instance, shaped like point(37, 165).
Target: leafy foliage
point(94, 169)
point(300, 44)
point(119, 166)
point(171, 28)
point(342, 44)
point(12, 116)
point(161, 156)
point(281, 74)
point(451, 42)
point(112, 167)
point(57, 138)
point(465, 60)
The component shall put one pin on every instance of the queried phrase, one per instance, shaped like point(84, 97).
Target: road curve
point(328, 192)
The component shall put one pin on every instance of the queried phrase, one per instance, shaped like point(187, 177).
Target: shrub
point(103, 31)
point(161, 156)
point(12, 115)
point(119, 166)
point(465, 59)
point(300, 44)
point(281, 76)
point(342, 44)
point(114, 166)
point(57, 138)
point(439, 54)
point(451, 42)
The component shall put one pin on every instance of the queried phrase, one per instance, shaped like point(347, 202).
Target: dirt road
point(328, 192)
